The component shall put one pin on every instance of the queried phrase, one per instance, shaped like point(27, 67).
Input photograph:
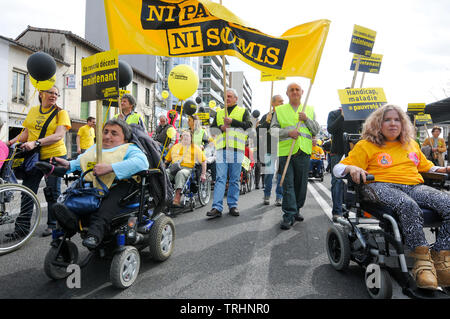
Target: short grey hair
point(130, 99)
point(234, 92)
point(126, 129)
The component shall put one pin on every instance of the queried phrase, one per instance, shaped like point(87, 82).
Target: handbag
point(82, 198)
point(25, 162)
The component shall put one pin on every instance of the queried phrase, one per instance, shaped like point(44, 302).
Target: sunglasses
point(52, 93)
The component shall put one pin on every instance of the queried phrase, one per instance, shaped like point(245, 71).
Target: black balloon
point(256, 114)
point(41, 66)
point(198, 99)
point(201, 109)
point(125, 74)
point(189, 107)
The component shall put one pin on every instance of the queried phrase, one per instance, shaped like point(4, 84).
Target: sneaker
point(47, 232)
point(90, 242)
point(266, 200)
point(214, 213)
point(278, 201)
point(298, 217)
point(234, 211)
point(286, 224)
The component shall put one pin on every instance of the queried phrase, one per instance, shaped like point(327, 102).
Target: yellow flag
point(205, 28)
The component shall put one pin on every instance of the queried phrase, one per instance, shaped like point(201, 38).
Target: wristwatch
point(37, 143)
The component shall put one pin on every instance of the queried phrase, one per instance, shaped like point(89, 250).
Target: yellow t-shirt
point(392, 163)
point(87, 135)
point(177, 152)
point(317, 153)
point(35, 120)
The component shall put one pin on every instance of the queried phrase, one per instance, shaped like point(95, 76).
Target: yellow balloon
point(43, 85)
point(183, 81)
point(212, 104)
point(165, 94)
point(171, 132)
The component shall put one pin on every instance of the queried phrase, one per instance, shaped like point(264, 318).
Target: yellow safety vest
point(236, 136)
point(132, 118)
point(288, 119)
point(198, 136)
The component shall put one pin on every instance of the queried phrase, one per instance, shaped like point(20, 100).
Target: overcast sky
point(412, 35)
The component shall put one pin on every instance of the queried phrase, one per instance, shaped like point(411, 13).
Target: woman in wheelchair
point(181, 159)
point(389, 152)
point(120, 161)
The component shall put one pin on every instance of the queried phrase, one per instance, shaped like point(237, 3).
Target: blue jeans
point(228, 162)
point(315, 165)
point(337, 187)
point(269, 169)
point(32, 182)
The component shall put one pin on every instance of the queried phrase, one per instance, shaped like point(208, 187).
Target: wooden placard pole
point(293, 141)
point(358, 60)
point(362, 79)
point(98, 130)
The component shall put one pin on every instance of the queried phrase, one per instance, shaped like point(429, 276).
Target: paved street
point(228, 257)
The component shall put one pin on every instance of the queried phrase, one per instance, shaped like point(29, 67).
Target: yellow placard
point(370, 64)
point(363, 40)
point(422, 119)
point(357, 104)
point(416, 108)
point(270, 77)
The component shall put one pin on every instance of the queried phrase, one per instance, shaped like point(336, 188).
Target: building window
point(18, 87)
point(147, 96)
point(134, 91)
point(85, 110)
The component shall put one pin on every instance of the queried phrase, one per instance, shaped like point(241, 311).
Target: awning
point(439, 111)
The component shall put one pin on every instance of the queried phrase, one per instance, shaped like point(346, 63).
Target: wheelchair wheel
point(20, 213)
point(67, 255)
point(381, 288)
point(204, 191)
point(250, 179)
point(162, 238)
point(338, 247)
point(125, 267)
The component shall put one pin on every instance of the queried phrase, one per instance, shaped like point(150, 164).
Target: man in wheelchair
point(120, 161)
point(316, 160)
point(388, 151)
point(181, 159)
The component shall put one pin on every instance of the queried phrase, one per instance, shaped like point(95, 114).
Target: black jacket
point(336, 126)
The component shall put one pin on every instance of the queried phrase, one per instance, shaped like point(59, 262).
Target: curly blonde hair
point(372, 126)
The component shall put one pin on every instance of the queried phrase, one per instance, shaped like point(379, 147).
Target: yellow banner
point(416, 108)
point(205, 28)
point(363, 40)
point(357, 104)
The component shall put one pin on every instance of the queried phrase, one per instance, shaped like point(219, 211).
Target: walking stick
point(293, 141)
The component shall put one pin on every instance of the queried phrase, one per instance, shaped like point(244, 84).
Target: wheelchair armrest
point(434, 176)
point(148, 172)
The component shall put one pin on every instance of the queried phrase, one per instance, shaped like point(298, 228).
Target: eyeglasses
point(52, 93)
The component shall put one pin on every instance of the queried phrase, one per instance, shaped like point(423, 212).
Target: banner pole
point(98, 130)
point(358, 60)
point(362, 80)
point(293, 141)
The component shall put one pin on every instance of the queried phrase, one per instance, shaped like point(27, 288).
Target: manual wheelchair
point(369, 235)
point(193, 188)
point(140, 222)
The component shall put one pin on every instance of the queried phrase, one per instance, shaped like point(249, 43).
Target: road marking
point(321, 201)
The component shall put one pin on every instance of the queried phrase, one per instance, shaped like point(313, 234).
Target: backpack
point(160, 186)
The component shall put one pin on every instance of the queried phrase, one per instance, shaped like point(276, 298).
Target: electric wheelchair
point(193, 188)
point(141, 222)
point(369, 235)
point(316, 171)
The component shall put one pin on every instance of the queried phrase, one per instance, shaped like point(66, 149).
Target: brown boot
point(423, 271)
point(441, 261)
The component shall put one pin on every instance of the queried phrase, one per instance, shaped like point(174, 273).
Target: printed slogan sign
point(416, 108)
point(357, 104)
point(423, 119)
point(369, 65)
point(362, 41)
point(100, 76)
point(205, 28)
